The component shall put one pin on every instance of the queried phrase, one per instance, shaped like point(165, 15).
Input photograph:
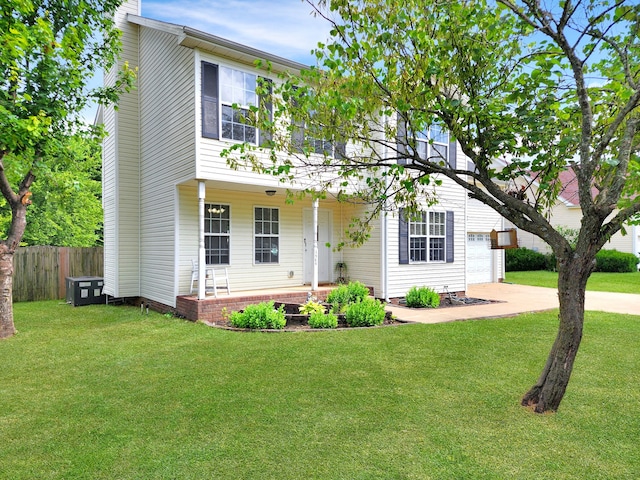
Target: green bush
point(338, 298)
point(261, 316)
point(358, 291)
point(614, 261)
point(341, 296)
point(523, 259)
point(422, 297)
point(320, 320)
point(551, 261)
point(365, 313)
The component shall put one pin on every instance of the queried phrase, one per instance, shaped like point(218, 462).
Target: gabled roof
point(569, 192)
point(193, 38)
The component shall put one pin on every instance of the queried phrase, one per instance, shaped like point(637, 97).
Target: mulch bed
point(296, 323)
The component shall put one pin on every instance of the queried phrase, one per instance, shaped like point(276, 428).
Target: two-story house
point(170, 199)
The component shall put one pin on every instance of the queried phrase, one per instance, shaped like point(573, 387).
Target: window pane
point(422, 149)
point(440, 152)
point(249, 134)
point(438, 134)
point(436, 249)
point(238, 132)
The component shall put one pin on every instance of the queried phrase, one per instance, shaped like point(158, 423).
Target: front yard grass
point(599, 281)
point(103, 392)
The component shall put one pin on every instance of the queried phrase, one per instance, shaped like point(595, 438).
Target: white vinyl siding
point(166, 85)
point(121, 171)
point(436, 275)
point(364, 263)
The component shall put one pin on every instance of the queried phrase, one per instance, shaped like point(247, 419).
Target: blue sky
point(285, 28)
point(282, 27)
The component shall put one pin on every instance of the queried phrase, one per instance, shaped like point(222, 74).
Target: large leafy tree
point(544, 86)
point(66, 208)
point(49, 50)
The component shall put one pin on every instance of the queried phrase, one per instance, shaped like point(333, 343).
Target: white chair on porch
point(210, 279)
point(224, 278)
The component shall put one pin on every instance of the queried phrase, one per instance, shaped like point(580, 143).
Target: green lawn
point(599, 281)
point(103, 392)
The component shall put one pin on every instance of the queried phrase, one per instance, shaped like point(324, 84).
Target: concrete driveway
point(514, 299)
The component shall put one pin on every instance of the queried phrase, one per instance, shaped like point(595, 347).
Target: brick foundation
point(211, 310)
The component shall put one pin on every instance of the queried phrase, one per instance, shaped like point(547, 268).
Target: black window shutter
point(453, 153)
point(449, 236)
point(209, 100)
point(401, 140)
point(403, 239)
point(266, 106)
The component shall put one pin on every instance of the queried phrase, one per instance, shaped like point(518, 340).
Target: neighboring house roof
point(569, 194)
point(192, 38)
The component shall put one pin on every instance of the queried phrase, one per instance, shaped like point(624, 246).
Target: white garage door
point(479, 258)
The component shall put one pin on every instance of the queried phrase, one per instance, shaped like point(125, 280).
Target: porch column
point(314, 283)
point(201, 256)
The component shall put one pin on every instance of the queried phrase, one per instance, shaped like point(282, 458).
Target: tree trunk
point(8, 248)
point(7, 328)
point(547, 393)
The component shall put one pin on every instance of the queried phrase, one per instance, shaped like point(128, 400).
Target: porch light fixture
point(270, 193)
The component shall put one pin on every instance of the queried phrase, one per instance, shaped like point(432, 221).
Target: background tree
point(49, 49)
point(546, 86)
point(66, 209)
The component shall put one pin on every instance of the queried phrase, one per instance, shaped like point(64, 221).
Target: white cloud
point(283, 27)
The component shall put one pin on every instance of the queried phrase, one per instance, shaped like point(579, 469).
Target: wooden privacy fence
point(40, 272)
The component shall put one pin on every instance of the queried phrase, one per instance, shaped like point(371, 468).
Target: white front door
point(479, 258)
point(324, 251)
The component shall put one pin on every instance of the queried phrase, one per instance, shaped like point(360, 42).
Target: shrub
point(344, 294)
point(320, 320)
point(551, 261)
point(365, 313)
point(357, 291)
point(614, 261)
point(261, 316)
point(311, 307)
point(422, 297)
point(338, 298)
point(522, 259)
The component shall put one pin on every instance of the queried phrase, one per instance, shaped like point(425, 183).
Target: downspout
point(314, 282)
point(201, 253)
point(634, 242)
point(385, 226)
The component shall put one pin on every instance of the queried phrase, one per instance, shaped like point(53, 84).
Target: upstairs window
point(222, 89)
point(237, 88)
point(307, 138)
point(433, 144)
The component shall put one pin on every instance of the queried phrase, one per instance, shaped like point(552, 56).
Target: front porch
point(212, 309)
